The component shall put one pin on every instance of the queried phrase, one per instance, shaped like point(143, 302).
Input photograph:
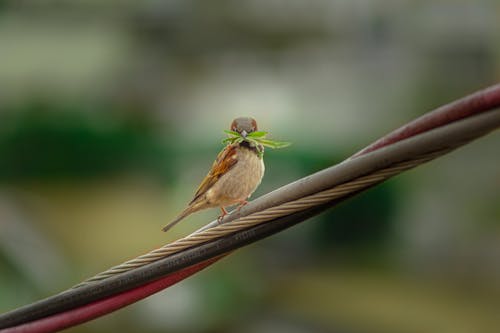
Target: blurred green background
point(112, 112)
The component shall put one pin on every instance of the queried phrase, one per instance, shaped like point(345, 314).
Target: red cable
point(99, 308)
point(478, 102)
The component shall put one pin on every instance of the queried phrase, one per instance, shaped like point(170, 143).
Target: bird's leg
point(224, 213)
point(242, 203)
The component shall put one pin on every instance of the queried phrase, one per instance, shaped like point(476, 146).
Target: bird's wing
point(226, 159)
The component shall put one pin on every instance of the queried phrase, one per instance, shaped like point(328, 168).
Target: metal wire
point(266, 215)
point(283, 209)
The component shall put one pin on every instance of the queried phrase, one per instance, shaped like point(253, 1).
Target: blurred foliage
point(134, 96)
point(362, 225)
point(13, 284)
point(44, 141)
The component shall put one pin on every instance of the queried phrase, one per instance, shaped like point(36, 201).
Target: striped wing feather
point(226, 159)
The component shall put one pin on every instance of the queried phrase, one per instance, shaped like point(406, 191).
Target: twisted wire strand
point(266, 215)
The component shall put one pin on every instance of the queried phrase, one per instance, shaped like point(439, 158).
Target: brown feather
point(226, 159)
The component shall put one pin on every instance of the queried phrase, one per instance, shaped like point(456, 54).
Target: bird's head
point(244, 126)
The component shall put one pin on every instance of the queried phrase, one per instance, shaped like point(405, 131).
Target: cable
point(305, 202)
point(258, 218)
point(383, 163)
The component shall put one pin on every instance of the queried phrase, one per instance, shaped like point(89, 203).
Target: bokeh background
point(111, 113)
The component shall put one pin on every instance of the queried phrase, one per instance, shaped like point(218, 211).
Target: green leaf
point(256, 138)
point(233, 133)
point(232, 140)
point(252, 140)
point(257, 134)
point(274, 144)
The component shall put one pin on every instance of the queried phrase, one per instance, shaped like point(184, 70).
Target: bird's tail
point(194, 206)
point(179, 217)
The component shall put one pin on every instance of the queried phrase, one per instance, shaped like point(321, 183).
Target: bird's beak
point(244, 133)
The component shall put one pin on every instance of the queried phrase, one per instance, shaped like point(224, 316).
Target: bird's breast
point(240, 181)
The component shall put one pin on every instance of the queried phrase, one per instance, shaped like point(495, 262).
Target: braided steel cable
point(274, 212)
point(263, 216)
point(284, 209)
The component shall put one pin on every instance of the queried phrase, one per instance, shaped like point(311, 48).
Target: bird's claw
point(221, 217)
point(242, 204)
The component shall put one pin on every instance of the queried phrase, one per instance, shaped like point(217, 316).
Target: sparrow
point(234, 176)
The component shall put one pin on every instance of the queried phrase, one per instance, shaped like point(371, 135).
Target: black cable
point(73, 298)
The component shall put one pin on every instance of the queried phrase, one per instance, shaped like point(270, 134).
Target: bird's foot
point(242, 203)
point(224, 213)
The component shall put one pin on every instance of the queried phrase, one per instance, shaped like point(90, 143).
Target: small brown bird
point(234, 175)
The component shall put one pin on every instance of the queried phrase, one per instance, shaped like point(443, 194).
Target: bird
point(235, 174)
